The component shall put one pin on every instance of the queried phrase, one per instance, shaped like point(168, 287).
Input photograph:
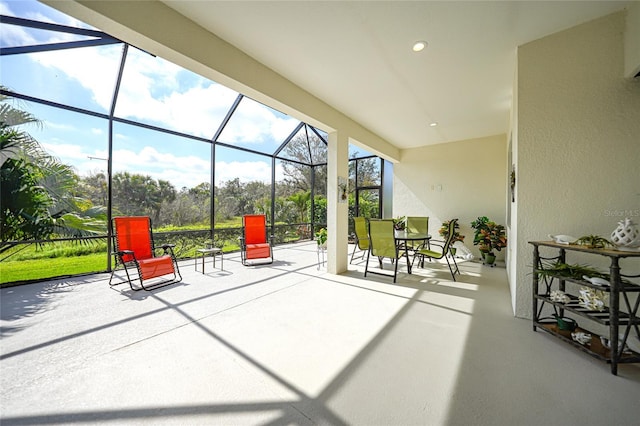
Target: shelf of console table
point(611, 316)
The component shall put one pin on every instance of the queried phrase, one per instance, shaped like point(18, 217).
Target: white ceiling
point(356, 56)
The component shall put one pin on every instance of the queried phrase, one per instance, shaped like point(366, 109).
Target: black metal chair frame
point(119, 260)
point(395, 260)
point(358, 245)
point(269, 239)
point(446, 251)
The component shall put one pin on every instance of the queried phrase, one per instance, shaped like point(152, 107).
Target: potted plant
point(489, 236)
point(444, 233)
point(478, 225)
point(321, 237)
point(594, 241)
point(399, 223)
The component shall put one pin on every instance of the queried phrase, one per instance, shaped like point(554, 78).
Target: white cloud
point(246, 171)
point(14, 35)
point(46, 14)
point(182, 171)
point(152, 91)
point(252, 123)
point(58, 126)
point(198, 110)
point(95, 69)
point(83, 161)
point(68, 153)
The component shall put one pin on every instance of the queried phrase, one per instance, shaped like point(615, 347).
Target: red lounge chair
point(254, 243)
point(134, 247)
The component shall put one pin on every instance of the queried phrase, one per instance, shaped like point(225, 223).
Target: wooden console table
point(617, 320)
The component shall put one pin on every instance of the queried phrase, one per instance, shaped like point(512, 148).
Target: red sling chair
point(254, 243)
point(134, 247)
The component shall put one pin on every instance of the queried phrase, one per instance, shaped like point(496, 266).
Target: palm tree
point(301, 201)
point(37, 190)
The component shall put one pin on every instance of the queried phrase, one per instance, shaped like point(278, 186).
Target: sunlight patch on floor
point(308, 343)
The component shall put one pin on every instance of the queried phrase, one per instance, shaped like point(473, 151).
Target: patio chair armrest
point(167, 248)
point(241, 241)
point(120, 256)
point(122, 252)
point(429, 244)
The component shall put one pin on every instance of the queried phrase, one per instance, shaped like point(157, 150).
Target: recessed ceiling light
point(419, 45)
point(434, 124)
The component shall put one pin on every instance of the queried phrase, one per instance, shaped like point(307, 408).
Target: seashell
point(591, 299)
point(559, 296)
point(563, 239)
point(607, 343)
point(582, 338)
point(596, 280)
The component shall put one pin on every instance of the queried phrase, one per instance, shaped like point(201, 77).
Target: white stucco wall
point(632, 41)
point(578, 147)
point(471, 174)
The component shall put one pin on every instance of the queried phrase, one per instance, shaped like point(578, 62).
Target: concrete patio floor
point(288, 343)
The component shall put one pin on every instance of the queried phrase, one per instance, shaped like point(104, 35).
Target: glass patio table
point(403, 238)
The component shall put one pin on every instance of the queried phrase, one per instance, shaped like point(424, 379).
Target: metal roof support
point(99, 38)
point(112, 110)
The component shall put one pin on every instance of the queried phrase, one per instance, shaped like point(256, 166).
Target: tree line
point(137, 194)
point(42, 198)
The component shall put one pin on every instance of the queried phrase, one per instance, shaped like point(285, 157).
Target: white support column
point(337, 208)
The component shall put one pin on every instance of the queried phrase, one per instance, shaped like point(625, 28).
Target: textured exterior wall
point(578, 140)
point(472, 175)
point(632, 41)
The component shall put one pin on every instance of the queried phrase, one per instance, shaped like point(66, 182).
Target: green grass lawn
point(23, 270)
point(45, 264)
point(39, 262)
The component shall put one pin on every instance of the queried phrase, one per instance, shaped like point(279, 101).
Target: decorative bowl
point(563, 239)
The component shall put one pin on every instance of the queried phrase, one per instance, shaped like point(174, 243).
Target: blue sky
point(153, 91)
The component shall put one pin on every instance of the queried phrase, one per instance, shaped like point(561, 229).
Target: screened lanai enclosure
point(94, 128)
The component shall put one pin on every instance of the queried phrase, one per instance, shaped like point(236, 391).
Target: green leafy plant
point(400, 223)
point(444, 232)
point(594, 241)
point(489, 236)
point(565, 270)
point(321, 236)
